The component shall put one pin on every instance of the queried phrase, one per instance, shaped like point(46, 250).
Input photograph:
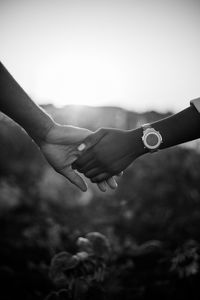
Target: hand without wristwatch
point(151, 138)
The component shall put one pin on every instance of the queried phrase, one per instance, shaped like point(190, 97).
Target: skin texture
point(60, 149)
point(109, 152)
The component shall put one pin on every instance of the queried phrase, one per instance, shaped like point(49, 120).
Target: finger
point(93, 172)
point(74, 178)
point(101, 177)
point(91, 140)
point(83, 160)
point(70, 160)
point(112, 183)
point(87, 167)
point(120, 174)
point(106, 176)
point(109, 183)
point(117, 177)
point(102, 186)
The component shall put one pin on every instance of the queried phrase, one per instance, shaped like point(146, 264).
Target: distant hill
point(104, 116)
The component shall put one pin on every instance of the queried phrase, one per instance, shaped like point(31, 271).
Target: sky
point(140, 54)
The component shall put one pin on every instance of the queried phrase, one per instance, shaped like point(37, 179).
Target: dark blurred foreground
point(147, 245)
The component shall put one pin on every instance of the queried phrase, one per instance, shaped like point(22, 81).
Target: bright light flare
point(78, 80)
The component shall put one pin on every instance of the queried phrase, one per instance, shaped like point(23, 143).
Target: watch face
point(152, 140)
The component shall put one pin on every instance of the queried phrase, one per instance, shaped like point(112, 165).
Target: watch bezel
point(148, 130)
point(150, 146)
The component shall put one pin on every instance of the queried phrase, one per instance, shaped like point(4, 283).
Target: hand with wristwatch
point(109, 151)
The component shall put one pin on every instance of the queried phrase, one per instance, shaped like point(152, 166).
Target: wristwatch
point(151, 138)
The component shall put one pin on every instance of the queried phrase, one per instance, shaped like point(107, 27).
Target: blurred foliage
point(140, 242)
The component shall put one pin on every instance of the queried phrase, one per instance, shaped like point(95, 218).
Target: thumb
point(91, 140)
point(74, 178)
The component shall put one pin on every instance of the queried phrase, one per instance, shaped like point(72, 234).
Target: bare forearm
point(179, 128)
point(16, 104)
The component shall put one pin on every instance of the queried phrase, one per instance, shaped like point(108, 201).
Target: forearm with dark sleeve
point(16, 104)
point(181, 127)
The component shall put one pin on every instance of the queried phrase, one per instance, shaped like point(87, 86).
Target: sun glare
point(76, 80)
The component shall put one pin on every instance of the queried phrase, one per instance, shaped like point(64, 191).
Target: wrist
point(136, 143)
point(40, 136)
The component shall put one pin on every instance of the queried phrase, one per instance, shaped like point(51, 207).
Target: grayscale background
point(101, 63)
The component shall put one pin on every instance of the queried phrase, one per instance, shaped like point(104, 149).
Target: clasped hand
point(60, 148)
point(108, 152)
